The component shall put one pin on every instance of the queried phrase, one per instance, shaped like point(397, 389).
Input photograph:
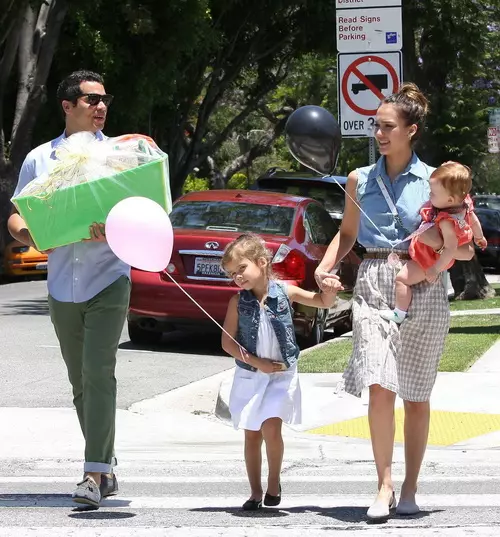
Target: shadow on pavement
point(358, 514)
point(492, 329)
point(264, 512)
point(93, 514)
point(183, 343)
point(347, 514)
point(36, 306)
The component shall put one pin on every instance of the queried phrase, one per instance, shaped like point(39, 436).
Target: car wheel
point(317, 331)
point(139, 336)
point(343, 327)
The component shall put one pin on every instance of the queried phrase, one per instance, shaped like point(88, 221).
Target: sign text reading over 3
point(355, 26)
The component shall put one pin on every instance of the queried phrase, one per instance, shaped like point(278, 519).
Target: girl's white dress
point(256, 396)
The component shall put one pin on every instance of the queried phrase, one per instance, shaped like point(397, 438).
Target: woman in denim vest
point(386, 359)
point(259, 334)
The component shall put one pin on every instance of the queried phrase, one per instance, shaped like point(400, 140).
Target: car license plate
point(208, 266)
point(41, 266)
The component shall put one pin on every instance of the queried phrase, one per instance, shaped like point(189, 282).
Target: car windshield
point(491, 202)
point(231, 216)
point(330, 195)
point(490, 219)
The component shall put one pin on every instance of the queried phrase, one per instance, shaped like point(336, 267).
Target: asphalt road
point(32, 373)
point(203, 499)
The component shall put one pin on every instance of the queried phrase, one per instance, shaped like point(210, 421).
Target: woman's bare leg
point(416, 431)
point(382, 428)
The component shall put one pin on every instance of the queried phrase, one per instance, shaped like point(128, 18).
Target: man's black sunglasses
point(95, 98)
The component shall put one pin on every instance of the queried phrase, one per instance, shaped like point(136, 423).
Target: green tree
point(173, 65)
point(452, 51)
point(29, 32)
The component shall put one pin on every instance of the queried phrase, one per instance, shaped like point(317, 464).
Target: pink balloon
point(139, 232)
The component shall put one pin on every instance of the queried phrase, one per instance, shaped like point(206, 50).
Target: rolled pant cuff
point(101, 467)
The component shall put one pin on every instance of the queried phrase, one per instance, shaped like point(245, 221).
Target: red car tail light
point(289, 264)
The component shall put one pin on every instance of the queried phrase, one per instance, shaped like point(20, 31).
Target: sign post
point(369, 63)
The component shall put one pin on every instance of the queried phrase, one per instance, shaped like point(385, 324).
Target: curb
point(464, 313)
point(222, 403)
point(343, 337)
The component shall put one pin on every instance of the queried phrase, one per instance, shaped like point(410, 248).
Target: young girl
point(450, 208)
point(266, 389)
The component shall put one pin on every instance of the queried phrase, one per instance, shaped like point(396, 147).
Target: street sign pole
point(372, 151)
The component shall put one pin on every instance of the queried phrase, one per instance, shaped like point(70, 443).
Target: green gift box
point(65, 215)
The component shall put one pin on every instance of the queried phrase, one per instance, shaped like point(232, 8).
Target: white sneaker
point(87, 492)
point(391, 315)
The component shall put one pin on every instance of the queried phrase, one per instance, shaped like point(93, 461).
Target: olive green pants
point(89, 333)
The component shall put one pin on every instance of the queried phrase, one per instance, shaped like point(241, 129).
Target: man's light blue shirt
point(77, 272)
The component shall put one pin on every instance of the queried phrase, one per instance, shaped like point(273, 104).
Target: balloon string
point(371, 221)
point(243, 351)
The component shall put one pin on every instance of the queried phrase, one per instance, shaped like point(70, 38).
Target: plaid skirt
point(405, 358)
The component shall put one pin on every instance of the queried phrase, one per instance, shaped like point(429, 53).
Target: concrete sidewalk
point(465, 406)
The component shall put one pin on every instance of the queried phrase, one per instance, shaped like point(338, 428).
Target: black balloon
point(313, 138)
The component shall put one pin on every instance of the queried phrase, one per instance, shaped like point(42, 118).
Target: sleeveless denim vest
point(278, 308)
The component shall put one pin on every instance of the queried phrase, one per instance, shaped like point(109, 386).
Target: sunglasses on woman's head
point(93, 99)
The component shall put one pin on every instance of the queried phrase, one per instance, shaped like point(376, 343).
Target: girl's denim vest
point(277, 306)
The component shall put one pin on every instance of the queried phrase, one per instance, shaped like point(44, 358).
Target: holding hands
point(328, 283)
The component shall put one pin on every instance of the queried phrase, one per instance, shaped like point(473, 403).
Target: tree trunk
point(43, 38)
point(27, 58)
point(7, 60)
point(469, 281)
point(215, 176)
point(7, 182)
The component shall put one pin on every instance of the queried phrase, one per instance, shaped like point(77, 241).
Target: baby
point(450, 208)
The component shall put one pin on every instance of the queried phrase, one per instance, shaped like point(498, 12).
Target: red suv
point(296, 229)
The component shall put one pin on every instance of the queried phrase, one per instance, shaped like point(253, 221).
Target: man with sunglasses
point(89, 290)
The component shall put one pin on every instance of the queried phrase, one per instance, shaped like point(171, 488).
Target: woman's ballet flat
point(380, 509)
point(407, 508)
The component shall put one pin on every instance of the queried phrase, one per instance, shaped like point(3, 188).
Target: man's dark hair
point(69, 88)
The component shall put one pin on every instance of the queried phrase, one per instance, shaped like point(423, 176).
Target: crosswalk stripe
point(242, 479)
point(242, 531)
point(290, 501)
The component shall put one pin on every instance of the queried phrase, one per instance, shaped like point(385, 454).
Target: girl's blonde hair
point(455, 178)
point(412, 106)
point(248, 246)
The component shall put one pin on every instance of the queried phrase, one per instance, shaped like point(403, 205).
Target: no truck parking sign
point(364, 81)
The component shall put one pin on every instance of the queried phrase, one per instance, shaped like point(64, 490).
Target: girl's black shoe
point(272, 501)
point(252, 505)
